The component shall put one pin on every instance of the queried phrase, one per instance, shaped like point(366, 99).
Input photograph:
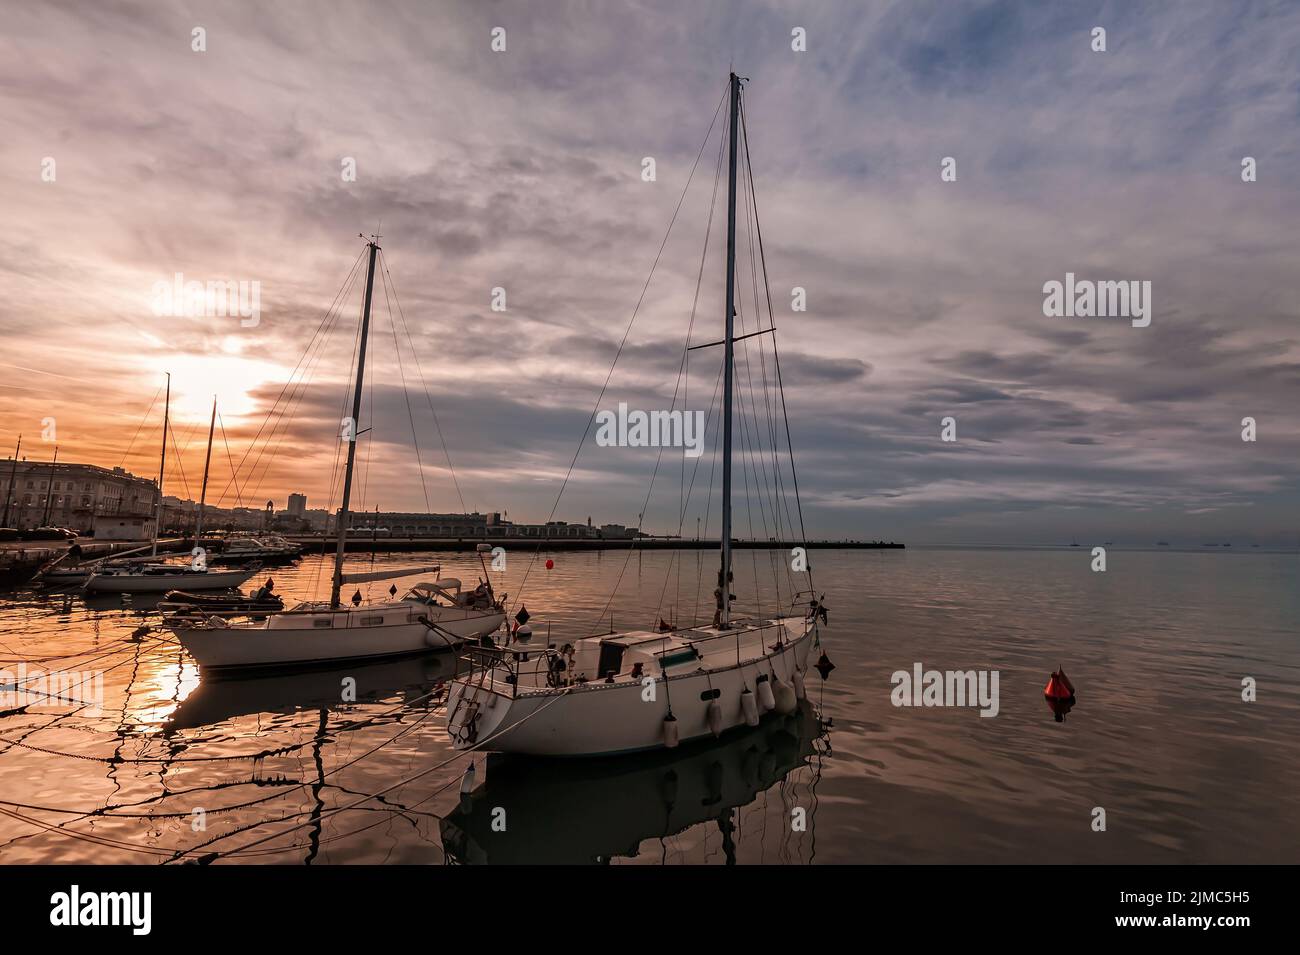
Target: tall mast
point(13, 473)
point(725, 574)
point(203, 494)
point(49, 489)
point(341, 531)
point(162, 466)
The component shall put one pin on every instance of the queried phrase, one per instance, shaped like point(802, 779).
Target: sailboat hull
point(107, 583)
point(604, 720)
point(304, 637)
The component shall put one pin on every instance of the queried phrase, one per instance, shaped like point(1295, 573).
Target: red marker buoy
point(550, 564)
point(1059, 687)
point(1059, 694)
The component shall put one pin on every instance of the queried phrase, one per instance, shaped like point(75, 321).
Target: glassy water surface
point(276, 769)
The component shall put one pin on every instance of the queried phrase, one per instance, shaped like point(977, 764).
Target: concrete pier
point(362, 542)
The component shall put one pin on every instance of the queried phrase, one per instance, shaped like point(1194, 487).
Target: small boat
point(430, 616)
point(434, 615)
point(181, 603)
point(263, 548)
point(66, 571)
point(65, 576)
point(157, 578)
point(648, 689)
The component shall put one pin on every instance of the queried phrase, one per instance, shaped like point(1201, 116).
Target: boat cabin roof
point(649, 640)
point(447, 586)
point(654, 642)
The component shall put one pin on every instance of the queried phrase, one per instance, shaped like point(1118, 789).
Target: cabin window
point(318, 622)
point(611, 660)
point(371, 621)
point(710, 694)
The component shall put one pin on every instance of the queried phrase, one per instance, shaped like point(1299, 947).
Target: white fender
point(715, 717)
point(749, 706)
point(786, 701)
point(670, 732)
point(766, 699)
point(800, 691)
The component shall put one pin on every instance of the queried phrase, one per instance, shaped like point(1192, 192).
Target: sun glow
point(232, 378)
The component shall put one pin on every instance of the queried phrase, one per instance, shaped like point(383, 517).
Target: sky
point(522, 169)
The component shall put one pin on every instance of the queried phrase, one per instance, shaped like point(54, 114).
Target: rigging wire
point(626, 331)
point(406, 330)
point(410, 414)
point(758, 229)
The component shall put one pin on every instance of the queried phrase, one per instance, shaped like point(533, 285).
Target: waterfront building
point(82, 497)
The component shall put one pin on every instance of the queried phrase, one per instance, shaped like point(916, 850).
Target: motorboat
point(263, 548)
point(154, 577)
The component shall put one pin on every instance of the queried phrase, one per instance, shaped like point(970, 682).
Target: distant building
point(181, 517)
point(297, 505)
point(120, 527)
point(319, 520)
point(612, 531)
point(82, 497)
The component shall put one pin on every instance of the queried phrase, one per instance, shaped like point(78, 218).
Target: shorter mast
point(49, 489)
point(341, 532)
point(162, 466)
point(203, 494)
point(13, 473)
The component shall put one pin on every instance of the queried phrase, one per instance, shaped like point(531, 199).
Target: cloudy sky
point(522, 169)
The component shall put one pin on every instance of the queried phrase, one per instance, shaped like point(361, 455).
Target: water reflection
point(218, 700)
point(586, 811)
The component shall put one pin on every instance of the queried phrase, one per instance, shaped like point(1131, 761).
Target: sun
point(233, 378)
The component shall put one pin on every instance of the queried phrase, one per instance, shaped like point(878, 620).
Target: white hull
point(108, 583)
point(598, 719)
point(316, 635)
point(60, 577)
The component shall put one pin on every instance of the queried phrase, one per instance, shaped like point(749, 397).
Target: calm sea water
point(1157, 648)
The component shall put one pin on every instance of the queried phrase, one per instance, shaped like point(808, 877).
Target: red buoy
point(1059, 694)
point(550, 564)
point(1059, 687)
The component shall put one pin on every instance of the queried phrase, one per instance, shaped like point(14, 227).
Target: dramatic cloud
point(522, 170)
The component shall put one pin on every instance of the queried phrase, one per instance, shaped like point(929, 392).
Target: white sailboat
point(154, 576)
point(241, 548)
point(646, 689)
point(431, 615)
